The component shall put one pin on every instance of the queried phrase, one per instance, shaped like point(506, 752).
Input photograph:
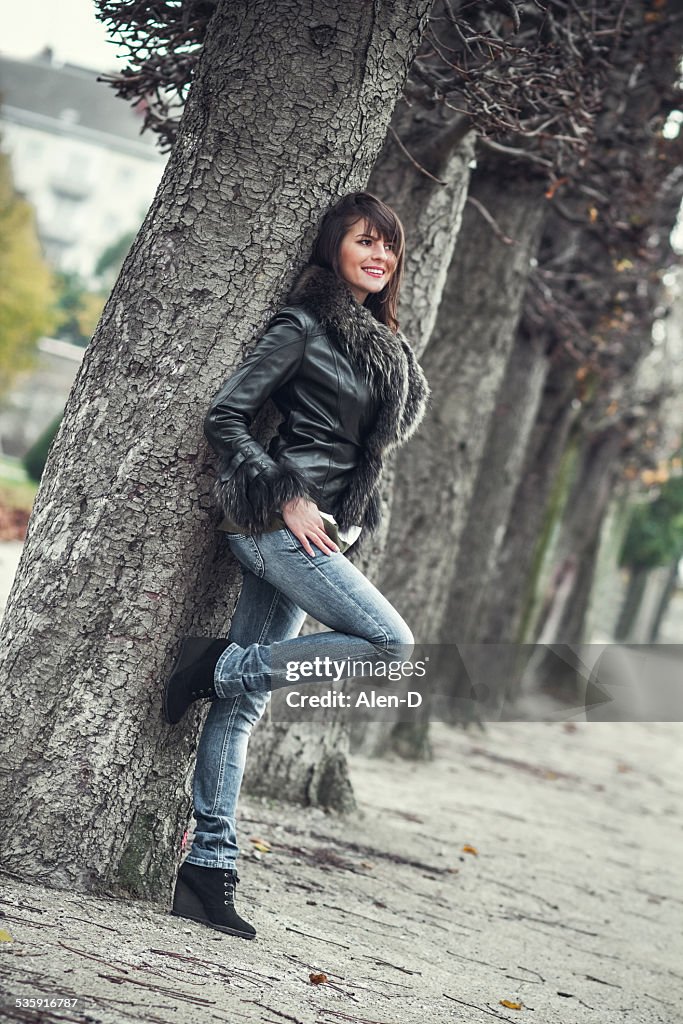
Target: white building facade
point(77, 155)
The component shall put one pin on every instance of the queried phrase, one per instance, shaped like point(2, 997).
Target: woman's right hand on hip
point(304, 520)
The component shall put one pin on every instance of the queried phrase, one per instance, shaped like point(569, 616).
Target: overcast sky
point(68, 26)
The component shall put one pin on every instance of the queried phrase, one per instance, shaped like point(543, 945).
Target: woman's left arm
point(250, 485)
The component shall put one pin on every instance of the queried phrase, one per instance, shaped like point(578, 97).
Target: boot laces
point(230, 880)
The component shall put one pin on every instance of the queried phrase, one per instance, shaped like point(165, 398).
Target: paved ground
point(528, 873)
point(537, 864)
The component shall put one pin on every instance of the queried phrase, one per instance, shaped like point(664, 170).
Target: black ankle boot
point(207, 895)
point(192, 675)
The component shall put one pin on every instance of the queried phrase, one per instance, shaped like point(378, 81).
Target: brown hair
point(378, 216)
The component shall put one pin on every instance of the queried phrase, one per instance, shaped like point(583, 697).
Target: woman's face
point(366, 261)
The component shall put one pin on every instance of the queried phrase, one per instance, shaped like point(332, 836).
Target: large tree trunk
point(122, 558)
point(286, 757)
point(465, 360)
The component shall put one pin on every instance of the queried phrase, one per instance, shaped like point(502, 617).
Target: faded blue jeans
point(281, 584)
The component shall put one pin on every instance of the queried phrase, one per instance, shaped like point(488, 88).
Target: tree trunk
point(122, 558)
point(432, 214)
point(497, 481)
point(436, 472)
point(647, 598)
point(502, 607)
point(574, 557)
point(465, 361)
point(668, 589)
point(610, 585)
point(635, 589)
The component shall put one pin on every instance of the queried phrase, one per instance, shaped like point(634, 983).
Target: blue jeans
point(281, 584)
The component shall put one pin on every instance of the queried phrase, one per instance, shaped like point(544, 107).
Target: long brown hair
point(378, 216)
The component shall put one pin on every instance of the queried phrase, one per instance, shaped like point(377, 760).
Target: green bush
point(35, 458)
point(655, 533)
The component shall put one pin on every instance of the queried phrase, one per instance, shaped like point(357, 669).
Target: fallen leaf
point(259, 844)
point(470, 849)
point(510, 1006)
point(318, 979)
point(5, 936)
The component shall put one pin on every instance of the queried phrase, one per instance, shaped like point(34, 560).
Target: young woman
point(350, 389)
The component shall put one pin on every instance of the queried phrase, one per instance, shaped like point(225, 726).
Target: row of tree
point(523, 146)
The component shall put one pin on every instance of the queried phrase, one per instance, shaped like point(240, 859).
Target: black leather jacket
point(328, 410)
point(348, 389)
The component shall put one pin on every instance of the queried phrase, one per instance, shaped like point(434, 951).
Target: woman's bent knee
point(400, 641)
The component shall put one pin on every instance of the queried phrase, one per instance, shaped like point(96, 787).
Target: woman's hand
point(304, 520)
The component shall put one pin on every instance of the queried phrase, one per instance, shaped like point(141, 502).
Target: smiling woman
point(366, 261)
point(349, 388)
point(364, 244)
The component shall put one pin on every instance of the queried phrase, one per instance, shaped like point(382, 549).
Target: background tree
point(654, 538)
point(109, 264)
point(604, 289)
point(27, 292)
point(78, 308)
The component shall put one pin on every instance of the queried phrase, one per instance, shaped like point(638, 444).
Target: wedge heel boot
point(207, 895)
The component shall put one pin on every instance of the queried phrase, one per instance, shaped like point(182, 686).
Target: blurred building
point(78, 157)
point(38, 395)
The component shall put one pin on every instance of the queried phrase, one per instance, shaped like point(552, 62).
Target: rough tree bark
point(466, 360)
point(430, 206)
point(122, 558)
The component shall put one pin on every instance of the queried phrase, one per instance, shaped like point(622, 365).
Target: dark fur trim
point(388, 364)
point(250, 501)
